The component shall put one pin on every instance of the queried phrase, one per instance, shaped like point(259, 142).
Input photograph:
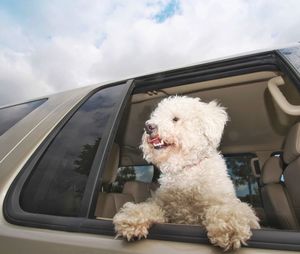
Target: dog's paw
point(131, 226)
point(229, 226)
point(131, 230)
point(229, 238)
point(133, 220)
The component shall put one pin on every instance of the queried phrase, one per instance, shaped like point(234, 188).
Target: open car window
point(245, 176)
point(63, 172)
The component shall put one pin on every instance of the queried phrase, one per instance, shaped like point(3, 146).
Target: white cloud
point(61, 45)
point(17, 79)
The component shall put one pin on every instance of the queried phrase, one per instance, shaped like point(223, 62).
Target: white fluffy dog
point(181, 138)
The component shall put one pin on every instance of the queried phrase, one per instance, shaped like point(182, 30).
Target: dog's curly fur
point(194, 185)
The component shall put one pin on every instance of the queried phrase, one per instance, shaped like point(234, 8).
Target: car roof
point(161, 70)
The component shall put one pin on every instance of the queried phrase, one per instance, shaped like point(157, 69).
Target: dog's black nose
point(150, 127)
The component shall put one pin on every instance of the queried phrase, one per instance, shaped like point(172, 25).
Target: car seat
point(281, 198)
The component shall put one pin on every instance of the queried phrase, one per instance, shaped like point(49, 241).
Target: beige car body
point(17, 146)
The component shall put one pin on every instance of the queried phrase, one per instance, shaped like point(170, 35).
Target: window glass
point(9, 116)
point(292, 55)
point(57, 183)
point(132, 173)
point(246, 185)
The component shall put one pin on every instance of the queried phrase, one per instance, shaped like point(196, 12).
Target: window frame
point(263, 238)
point(287, 67)
point(12, 210)
point(287, 61)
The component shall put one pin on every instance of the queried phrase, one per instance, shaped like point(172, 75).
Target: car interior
point(260, 138)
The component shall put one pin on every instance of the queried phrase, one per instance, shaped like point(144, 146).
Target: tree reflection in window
point(246, 185)
point(125, 174)
point(58, 180)
point(86, 157)
point(140, 173)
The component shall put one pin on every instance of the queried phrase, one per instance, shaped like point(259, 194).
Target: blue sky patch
point(20, 10)
point(168, 10)
point(100, 39)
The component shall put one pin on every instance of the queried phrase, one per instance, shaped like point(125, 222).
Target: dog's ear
point(214, 122)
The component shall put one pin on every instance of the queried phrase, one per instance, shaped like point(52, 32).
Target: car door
point(50, 205)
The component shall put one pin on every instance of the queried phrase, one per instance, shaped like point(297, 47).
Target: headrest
point(139, 190)
point(291, 149)
point(111, 169)
point(271, 171)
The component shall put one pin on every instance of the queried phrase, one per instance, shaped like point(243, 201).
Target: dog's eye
point(175, 119)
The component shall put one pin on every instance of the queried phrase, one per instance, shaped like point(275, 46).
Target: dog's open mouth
point(157, 142)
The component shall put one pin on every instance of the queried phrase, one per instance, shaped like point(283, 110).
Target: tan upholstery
point(272, 171)
point(140, 191)
point(108, 204)
point(282, 200)
point(292, 183)
point(292, 144)
point(291, 155)
point(279, 212)
point(111, 170)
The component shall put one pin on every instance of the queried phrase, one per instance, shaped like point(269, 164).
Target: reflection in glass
point(9, 116)
point(132, 173)
point(293, 56)
point(245, 183)
point(58, 181)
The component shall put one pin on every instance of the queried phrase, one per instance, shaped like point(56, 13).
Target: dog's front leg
point(229, 225)
point(134, 220)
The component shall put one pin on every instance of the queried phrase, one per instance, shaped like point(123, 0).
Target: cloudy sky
point(50, 46)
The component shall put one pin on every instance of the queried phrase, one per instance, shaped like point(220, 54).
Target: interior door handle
point(280, 98)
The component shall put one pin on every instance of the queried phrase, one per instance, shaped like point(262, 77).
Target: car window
point(292, 55)
point(9, 116)
point(132, 173)
point(58, 181)
point(246, 184)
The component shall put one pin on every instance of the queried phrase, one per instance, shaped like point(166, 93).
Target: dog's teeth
point(158, 144)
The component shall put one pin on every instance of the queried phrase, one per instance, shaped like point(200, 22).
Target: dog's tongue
point(154, 140)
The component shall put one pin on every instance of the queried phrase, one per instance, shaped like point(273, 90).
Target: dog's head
point(182, 130)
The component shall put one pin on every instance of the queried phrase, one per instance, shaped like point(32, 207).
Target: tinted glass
point(9, 116)
point(292, 55)
point(132, 173)
point(58, 181)
point(246, 185)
